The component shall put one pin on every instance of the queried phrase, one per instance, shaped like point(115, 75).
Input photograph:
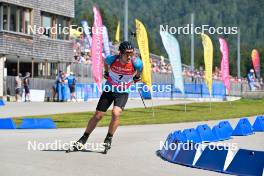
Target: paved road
point(132, 153)
point(34, 108)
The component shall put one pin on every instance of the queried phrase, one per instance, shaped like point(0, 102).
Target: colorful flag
point(142, 40)
point(75, 33)
point(208, 61)
point(97, 43)
point(256, 62)
point(106, 42)
point(87, 32)
point(171, 45)
point(117, 35)
point(225, 63)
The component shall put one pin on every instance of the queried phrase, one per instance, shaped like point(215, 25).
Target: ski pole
point(142, 100)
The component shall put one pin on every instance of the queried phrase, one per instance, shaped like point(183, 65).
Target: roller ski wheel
point(75, 147)
point(107, 145)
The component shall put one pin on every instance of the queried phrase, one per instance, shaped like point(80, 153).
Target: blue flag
point(172, 47)
point(106, 42)
point(87, 32)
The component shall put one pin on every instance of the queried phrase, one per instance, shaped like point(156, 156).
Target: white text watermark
point(196, 146)
point(59, 145)
point(191, 29)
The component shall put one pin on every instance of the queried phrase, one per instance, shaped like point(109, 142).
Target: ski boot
point(77, 146)
point(107, 144)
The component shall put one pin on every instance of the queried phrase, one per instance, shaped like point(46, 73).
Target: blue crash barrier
point(223, 130)
point(244, 162)
point(37, 123)
point(212, 158)
point(243, 128)
point(191, 135)
point(169, 148)
point(185, 156)
point(206, 133)
point(2, 103)
point(7, 123)
point(179, 136)
point(192, 90)
point(247, 162)
point(259, 124)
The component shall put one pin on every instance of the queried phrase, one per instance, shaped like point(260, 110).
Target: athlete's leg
point(116, 112)
point(105, 101)
point(98, 115)
point(120, 101)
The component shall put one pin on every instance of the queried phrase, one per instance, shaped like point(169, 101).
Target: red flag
point(225, 63)
point(97, 39)
point(256, 62)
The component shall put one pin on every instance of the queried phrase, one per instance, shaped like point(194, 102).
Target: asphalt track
point(133, 152)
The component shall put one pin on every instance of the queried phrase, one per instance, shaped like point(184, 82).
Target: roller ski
point(107, 144)
point(79, 145)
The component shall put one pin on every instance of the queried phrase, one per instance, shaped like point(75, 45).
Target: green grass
point(166, 114)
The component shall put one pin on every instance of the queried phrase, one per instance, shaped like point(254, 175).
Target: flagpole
point(192, 41)
point(238, 54)
point(210, 102)
point(185, 106)
point(133, 35)
point(228, 93)
point(153, 114)
point(126, 20)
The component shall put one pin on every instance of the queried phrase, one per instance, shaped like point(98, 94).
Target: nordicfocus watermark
point(191, 29)
point(196, 146)
point(59, 145)
point(59, 29)
point(135, 87)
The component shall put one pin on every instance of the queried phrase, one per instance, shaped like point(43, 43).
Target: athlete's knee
point(98, 115)
point(116, 112)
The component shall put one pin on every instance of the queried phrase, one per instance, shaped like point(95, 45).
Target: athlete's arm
point(138, 65)
point(109, 60)
point(106, 66)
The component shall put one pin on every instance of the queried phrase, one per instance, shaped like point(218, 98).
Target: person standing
point(251, 80)
point(26, 86)
point(57, 82)
point(62, 88)
point(18, 82)
point(72, 83)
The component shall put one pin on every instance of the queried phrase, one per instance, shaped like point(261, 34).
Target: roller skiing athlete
point(120, 71)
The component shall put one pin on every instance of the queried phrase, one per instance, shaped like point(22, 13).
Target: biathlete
point(120, 71)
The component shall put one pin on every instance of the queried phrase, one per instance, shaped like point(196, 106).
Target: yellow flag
point(208, 61)
point(75, 33)
point(117, 35)
point(142, 40)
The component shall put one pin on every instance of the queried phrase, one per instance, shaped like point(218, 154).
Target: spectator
point(251, 80)
point(18, 82)
point(62, 88)
point(72, 83)
point(261, 83)
point(81, 58)
point(54, 90)
point(26, 87)
point(56, 86)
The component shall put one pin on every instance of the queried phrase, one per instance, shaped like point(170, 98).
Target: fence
point(86, 85)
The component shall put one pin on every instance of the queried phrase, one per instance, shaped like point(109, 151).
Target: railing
point(35, 83)
point(158, 78)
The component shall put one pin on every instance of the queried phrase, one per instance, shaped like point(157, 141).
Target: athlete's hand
point(106, 75)
point(136, 78)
